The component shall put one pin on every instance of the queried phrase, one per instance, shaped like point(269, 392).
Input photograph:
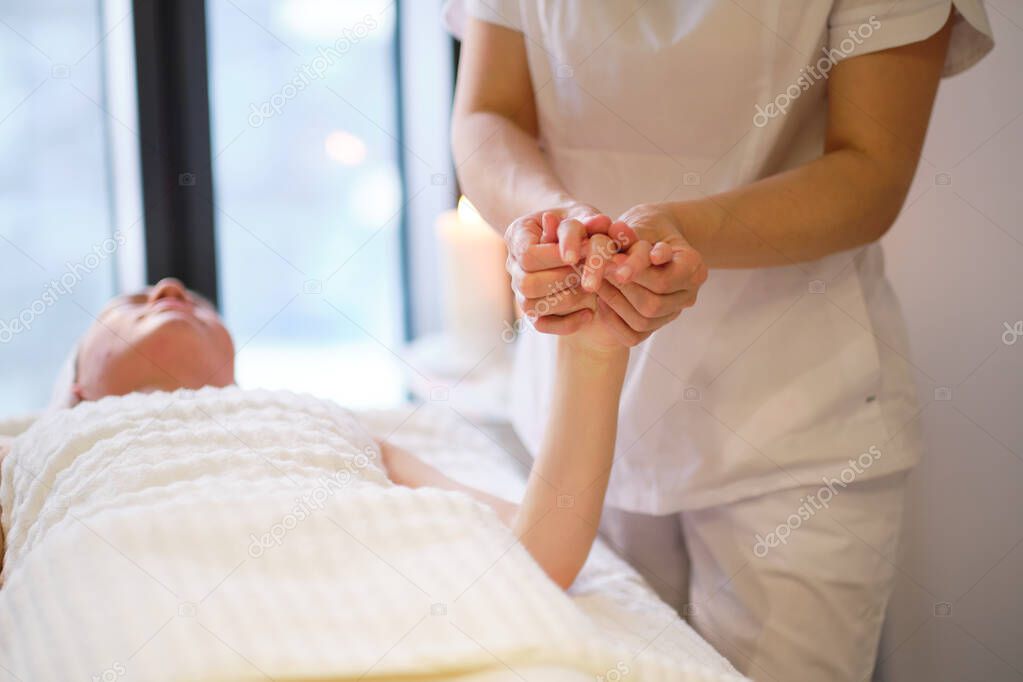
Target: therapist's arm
point(879, 108)
point(494, 129)
point(878, 112)
point(501, 168)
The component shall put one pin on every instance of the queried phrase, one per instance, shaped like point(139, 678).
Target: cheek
point(228, 342)
point(223, 339)
point(115, 324)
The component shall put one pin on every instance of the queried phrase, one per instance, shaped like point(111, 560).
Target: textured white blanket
point(229, 535)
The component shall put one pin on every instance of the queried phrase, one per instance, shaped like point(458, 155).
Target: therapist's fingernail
point(624, 272)
point(570, 256)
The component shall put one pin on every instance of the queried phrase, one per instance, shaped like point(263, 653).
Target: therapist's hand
point(649, 286)
point(547, 287)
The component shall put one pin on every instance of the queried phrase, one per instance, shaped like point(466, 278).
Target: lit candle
point(477, 289)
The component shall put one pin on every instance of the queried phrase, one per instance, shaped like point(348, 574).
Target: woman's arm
point(560, 513)
point(879, 106)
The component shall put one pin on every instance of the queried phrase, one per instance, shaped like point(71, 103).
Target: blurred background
point(294, 167)
point(294, 161)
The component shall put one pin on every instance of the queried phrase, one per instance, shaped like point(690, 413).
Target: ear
point(77, 394)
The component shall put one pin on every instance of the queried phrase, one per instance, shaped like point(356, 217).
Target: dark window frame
point(174, 142)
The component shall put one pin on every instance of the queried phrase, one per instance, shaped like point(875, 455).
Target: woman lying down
point(224, 534)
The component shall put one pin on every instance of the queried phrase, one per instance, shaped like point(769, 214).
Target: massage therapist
point(766, 433)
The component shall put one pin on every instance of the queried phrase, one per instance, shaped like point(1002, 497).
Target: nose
point(168, 287)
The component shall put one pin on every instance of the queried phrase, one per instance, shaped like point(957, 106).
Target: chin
point(189, 354)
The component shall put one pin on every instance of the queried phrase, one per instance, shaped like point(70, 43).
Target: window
point(62, 242)
point(308, 193)
point(320, 133)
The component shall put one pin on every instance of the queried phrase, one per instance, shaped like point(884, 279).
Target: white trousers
point(789, 586)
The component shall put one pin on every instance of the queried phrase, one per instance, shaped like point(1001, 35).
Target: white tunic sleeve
point(507, 13)
point(858, 27)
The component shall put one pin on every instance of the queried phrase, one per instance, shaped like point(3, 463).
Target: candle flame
point(467, 212)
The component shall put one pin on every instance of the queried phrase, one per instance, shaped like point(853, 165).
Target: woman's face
point(163, 338)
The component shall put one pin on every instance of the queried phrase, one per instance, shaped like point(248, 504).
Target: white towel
point(228, 534)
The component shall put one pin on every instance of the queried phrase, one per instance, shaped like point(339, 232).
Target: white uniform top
point(778, 376)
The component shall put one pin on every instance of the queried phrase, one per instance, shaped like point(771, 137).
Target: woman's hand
point(547, 286)
point(598, 330)
point(656, 279)
point(402, 467)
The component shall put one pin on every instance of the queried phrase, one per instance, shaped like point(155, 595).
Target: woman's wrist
point(576, 347)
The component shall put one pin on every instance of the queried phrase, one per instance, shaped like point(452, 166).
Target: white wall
point(955, 258)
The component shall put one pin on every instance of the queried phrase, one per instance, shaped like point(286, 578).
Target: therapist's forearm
point(501, 168)
point(879, 106)
point(560, 512)
point(840, 201)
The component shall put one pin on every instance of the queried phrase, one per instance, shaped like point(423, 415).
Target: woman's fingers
point(573, 231)
point(597, 251)
point(544, 241)
point(563, 324)
point(570, 238)
point(549, 224)
point(636, 260)
point(597, 223)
